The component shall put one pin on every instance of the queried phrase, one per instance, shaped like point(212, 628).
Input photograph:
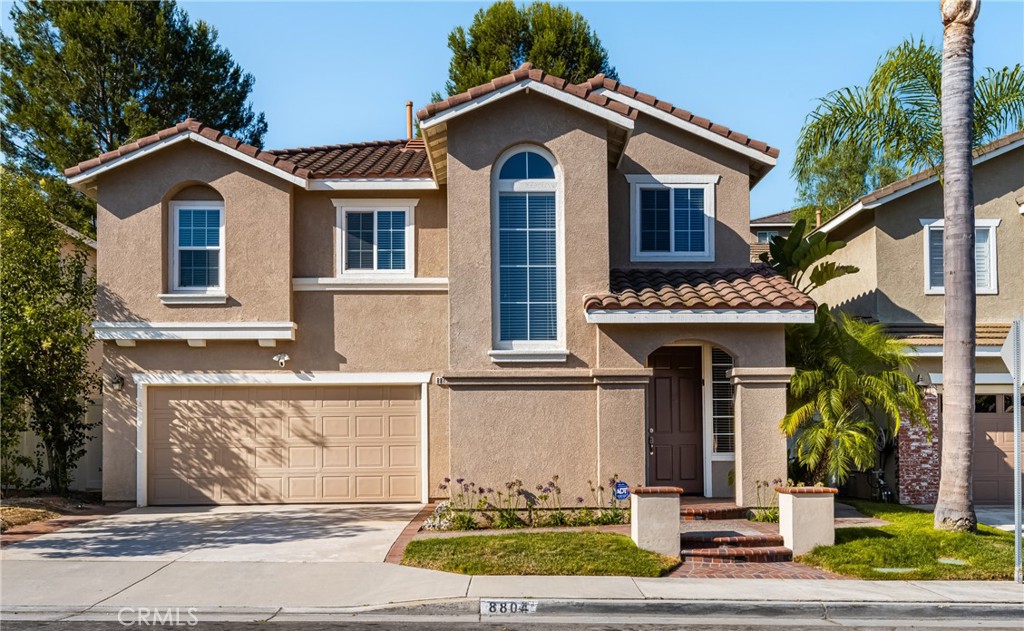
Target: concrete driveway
point(213, 557)
point(349, 533)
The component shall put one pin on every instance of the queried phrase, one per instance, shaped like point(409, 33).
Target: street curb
point(469, 609)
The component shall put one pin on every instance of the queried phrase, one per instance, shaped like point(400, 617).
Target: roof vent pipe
point(408, 120)
point(817, 218)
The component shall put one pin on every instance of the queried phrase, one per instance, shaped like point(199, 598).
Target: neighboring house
point(894, 235)
point(763, 229)
point(88, 476)
point(554, 280)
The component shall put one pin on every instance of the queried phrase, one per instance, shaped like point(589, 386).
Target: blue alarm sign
point(621, 490)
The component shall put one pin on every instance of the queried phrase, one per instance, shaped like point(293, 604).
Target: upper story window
point(985, 273)
point(375, 237)
point(527, 257)
point(197, 246)
point(672, 217)
point(766, 236)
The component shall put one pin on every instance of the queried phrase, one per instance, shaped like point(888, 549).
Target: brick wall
point(918, 457)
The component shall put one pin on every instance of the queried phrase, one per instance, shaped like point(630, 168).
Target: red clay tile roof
point(381, 159)
point(524, 72)
point(601, 81)
point(189, 125)
point(587, 91)
point(752, 288)
point(385, 159)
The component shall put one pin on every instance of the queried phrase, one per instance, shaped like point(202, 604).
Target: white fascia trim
point(171, 140)
point(375, 203)
point(647, 178)
point(758, 226)
point(522, 86)
point(936, 351)
point(369, 284)
point(700, 316)
point(281, 378)
point(193, 299)
point(981, 379)
point(194, 330)
point(858, 206)
point(513, 356)
point(696, 130)
point(373, 184)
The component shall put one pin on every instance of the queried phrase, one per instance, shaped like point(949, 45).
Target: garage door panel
point(323, 444)
point(993, 450)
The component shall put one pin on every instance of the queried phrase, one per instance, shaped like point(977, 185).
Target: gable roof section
point(784, 218)
point(89, 242)
point(360, 165)
point(921, 179)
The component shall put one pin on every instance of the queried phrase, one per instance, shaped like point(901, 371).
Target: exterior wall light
point(117, 383)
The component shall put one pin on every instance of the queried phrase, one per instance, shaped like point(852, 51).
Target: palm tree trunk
point(955, 507)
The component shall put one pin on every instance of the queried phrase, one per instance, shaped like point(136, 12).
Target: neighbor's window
point(984, 257)
point(673, 217)
point(723, 394)
point(198, 252)
point(527, 252)
point(765, 236)
point(375, 236)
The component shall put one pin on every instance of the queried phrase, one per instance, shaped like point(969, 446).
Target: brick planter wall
point(918, 457)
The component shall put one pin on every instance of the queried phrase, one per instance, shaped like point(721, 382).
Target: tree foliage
point(837, 178)
point(896, 116)
point(503, 36)
point(46, 308)
point(83, 78)
point(851, 381)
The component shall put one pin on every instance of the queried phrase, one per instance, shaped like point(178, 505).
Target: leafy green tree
point(46, 308)
point(851, 378)
point(503, 36)
point(83, 78)
point(897, 114)
point(834, 180)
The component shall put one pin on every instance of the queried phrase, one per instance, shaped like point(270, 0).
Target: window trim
point(929, 225)
point(638, 183)
point(176, 288)
point(345, 206)
point(528, 350)
point(770, 234)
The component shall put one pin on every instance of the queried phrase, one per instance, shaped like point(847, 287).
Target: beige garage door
point(242, 445)
point(993, 449)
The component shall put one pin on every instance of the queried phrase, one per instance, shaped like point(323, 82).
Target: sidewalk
point(293, 591)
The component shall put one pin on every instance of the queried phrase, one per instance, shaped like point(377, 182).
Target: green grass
point(911, 542)
point(540, 553)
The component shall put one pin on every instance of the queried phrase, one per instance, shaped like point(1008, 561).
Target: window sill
point(193, 299)
point(723, 457)
point(511, 356)
point(672, 258)
point(977, 292)
point(379, 283)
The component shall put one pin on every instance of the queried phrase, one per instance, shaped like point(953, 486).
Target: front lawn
point(539, 553)
point(909, 542)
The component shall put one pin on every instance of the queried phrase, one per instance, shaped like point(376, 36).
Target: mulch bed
point(74, 511)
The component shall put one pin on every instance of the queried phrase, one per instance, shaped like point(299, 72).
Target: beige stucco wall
point(315, 237)
point(657, 148)
point(890, 251)
point(133, 223)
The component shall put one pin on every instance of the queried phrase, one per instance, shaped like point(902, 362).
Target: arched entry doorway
point(690, 419)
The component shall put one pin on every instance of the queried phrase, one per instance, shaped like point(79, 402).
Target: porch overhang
point(700, 316)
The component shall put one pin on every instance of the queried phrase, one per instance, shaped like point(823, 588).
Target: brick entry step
point(704, 509)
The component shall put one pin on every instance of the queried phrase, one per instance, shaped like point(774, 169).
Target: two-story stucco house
point(764, 229)
point(555, 279)
point(894, 235)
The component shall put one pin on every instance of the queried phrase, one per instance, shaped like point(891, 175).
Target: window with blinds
point(984, 259)
point(723, 395)
point(375, 240)
point(673, 220)
point(198, 246)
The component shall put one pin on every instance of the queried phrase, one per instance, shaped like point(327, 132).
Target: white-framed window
point(766, 236)
point(197, 247)
point(528, 260)
point(672, 217)
point(723, 403)
point(985, 259)
point(375, 237)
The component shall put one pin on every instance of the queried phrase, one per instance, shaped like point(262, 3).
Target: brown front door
point(674, 413)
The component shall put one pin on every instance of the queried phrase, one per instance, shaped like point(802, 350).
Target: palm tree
point(852, 381)
point(955, 509)
point(898, 114)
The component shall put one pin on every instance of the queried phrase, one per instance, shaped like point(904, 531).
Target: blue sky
point(329, 72)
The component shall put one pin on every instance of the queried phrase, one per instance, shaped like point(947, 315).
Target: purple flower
point(579, 500)
point(539, 487)
point(447, 480)
point(444, 487)
point(459, 480)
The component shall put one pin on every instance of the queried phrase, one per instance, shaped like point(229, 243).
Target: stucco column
point(761, 452)
point(621, 425)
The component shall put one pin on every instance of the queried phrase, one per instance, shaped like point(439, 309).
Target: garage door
point(993, 449)
point(241, 445)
